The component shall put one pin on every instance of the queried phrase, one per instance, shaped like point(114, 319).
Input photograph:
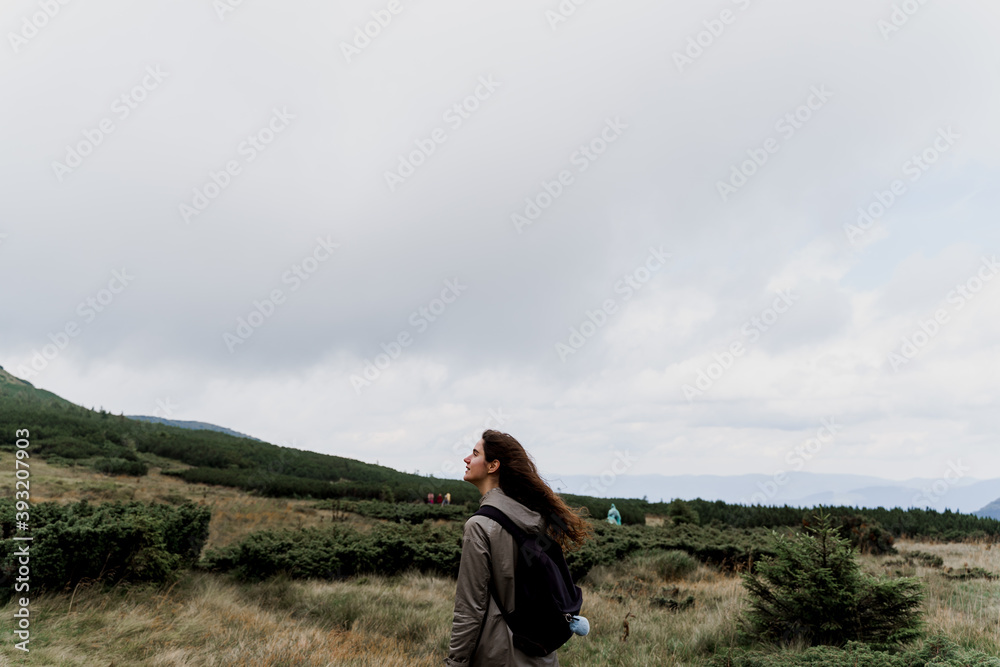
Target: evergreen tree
point(681, 512)
point(813, 590)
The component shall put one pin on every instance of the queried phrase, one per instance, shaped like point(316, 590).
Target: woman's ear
point(493, 466)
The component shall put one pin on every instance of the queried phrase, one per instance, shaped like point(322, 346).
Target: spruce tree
point(813, 590)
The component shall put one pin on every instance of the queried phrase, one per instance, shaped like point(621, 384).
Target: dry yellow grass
point(235, 513)
point(208, 621)
point(968, 611)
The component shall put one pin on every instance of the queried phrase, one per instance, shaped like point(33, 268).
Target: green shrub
point(109, 542)
point(399, 512)
point(923, 558)
point(864, 534)
point(970, 573)
point(813, 590)
point(670, 603)
point(726, 548)
point(681, 512)
point(69, 447)
point(386, 549)
point(121, 466)
point(671, 565)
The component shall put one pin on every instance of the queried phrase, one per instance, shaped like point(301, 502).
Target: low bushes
point(729, 549)
point(386, 549)
point(118, 466)
point(391, 548)
point(399, 512)
point(672, 565)
point(109, 542)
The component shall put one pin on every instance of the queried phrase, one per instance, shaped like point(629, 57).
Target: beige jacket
point(489, 551)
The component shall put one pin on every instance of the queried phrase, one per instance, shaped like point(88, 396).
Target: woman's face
point(476, 468)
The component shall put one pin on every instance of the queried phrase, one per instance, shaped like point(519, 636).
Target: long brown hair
point(519, 479)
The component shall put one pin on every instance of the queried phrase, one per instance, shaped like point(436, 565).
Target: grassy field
point(637, 608)
point(234, 512)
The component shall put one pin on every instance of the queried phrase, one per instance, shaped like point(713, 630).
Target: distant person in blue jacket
point(614, 516)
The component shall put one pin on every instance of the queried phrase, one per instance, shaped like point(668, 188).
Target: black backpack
point(545, 596)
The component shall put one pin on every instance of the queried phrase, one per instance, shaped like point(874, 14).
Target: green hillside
point(64, 432)
point(13, 389)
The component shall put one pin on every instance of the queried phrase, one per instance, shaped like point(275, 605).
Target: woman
point(507, 479)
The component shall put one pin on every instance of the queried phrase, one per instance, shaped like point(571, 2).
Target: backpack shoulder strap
point(519, 536)
point(497, 515)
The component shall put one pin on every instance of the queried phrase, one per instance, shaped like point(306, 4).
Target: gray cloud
point(324, 176)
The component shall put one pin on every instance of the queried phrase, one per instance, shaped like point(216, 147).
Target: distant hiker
point(519, 516)
point(439, 499)
point(614, 516)
point(447, 499)
point(430, 498)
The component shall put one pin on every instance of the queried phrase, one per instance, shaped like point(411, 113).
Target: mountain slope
point(990, 511)
point(18, 390)
point(62, 431)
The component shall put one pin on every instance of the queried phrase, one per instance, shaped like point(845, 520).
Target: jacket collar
point(528, 520)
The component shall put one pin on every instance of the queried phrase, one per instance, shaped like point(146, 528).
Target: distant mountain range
point(798, 489)
point(194, 426)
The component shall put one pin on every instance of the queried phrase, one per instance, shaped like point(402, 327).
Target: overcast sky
point(633, 228)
